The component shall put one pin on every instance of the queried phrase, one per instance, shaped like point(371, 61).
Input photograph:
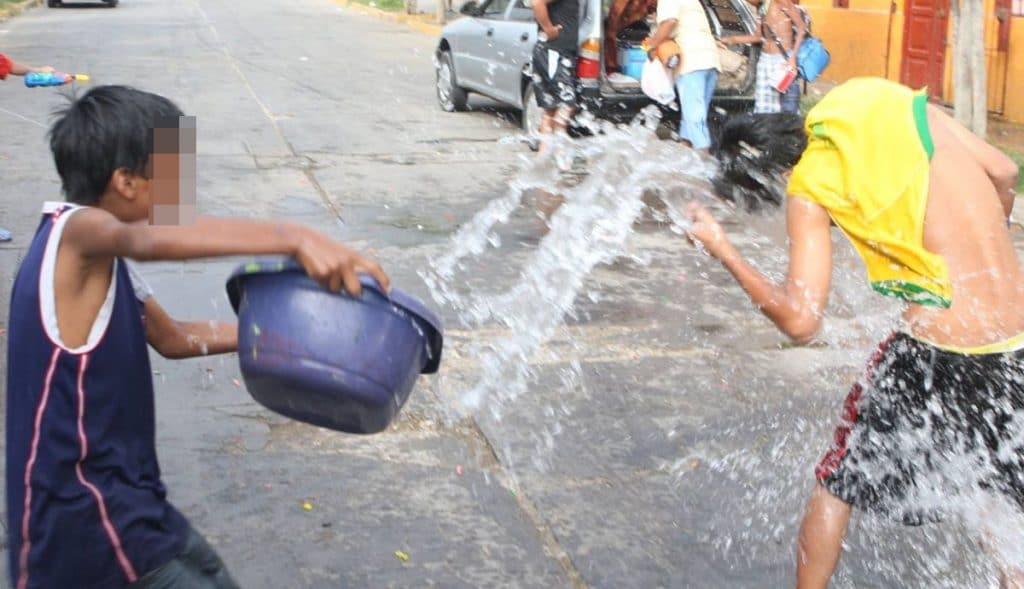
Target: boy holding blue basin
point(85, 503)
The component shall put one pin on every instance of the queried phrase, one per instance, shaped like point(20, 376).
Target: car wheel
point(531, 118)
point(450, 95)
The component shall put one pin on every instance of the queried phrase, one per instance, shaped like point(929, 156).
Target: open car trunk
point(726, 17)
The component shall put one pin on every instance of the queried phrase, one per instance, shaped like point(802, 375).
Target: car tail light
point(588, 64)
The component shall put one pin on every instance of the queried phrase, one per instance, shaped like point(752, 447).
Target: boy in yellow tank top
point(926, 205)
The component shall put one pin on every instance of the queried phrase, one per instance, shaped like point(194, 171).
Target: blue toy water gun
point(39, 79)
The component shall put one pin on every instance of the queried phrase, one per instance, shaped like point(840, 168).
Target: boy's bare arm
point(19, 69)
point(742, 39)
point(1001, 170)
point(661, 34)
point(796, 307)
point(180, 339)
point(96, 234)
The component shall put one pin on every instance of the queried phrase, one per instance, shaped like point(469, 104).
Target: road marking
point(266, 111)
point(14, 114)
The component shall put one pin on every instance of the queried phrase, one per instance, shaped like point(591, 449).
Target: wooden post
point(979, 70)
point(970, 80)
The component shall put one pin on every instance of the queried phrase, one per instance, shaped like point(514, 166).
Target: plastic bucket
point(632, 60)
point(329, 359)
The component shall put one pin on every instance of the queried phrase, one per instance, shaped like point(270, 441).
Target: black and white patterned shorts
point(927, 431)
point(555, 88)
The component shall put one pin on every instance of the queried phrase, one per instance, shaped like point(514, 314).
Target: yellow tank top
point(867, 163)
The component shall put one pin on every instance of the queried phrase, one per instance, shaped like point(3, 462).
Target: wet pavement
point(681, 458)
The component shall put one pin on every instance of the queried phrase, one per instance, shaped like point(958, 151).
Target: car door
point(514, 38)
point(479, 60)
point(733, 17)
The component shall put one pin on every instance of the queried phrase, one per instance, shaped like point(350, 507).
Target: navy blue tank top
point(85, 503)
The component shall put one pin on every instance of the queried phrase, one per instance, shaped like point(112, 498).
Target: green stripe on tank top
point(921, 120)
point(910, 292)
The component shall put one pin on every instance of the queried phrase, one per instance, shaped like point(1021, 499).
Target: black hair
point(107, 129)
point(754, 151)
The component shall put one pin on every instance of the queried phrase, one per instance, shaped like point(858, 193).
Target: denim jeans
point(791, 99)
point(197, 567)
point(695, 90)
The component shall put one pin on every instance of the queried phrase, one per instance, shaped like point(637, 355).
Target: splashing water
point(770, 478)
point(591, 227)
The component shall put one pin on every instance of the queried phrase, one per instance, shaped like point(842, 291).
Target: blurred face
point(172, 177)
point(166, 193)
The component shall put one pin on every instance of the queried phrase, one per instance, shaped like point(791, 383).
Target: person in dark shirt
point(554, 61)
point(86, 506)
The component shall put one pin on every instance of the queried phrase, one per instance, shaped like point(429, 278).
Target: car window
point(522, 10)
point(729, 21)
point(722, 16)
point(495, 8)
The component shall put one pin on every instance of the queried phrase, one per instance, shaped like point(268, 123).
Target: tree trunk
point(441, 11)
point(961, 72)
point(979, 71)
point(970, 82)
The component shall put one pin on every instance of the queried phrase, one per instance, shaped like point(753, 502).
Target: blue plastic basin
point(329, 359)
point(633, 60)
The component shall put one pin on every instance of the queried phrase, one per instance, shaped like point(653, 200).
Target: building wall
point(866, 39)
point(1015, 72)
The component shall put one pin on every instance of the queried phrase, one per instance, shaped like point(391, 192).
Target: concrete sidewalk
point(423, 23)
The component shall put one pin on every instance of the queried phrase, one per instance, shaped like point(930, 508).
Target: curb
point(12, 10)
point(418, 22)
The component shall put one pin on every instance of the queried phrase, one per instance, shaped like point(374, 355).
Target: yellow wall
point(1015, 72)
point(856, 38)
point(998, 63)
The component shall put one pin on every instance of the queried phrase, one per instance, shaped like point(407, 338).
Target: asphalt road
point(682, 457)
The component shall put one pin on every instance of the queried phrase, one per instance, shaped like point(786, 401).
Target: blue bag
point(812, 58)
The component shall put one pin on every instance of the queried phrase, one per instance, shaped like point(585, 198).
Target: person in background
point(624, 15)
point(8, 67)
point(781, 32)
point(554, 62)
point(686, 23)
